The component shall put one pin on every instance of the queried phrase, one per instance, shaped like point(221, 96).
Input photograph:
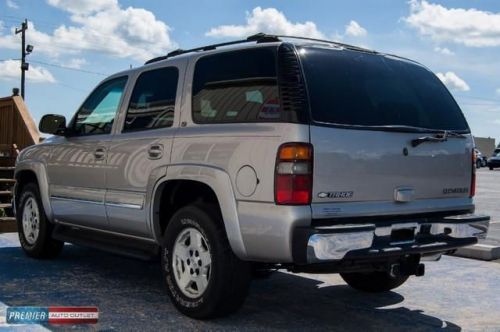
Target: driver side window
point(97, 113)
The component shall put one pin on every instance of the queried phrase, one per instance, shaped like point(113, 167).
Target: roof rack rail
point(259, 38)
point(347, 46)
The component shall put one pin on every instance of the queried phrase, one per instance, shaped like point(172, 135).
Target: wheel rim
point(31, 220)
point(191, 262)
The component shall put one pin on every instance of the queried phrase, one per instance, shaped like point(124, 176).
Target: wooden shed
point(17, 129)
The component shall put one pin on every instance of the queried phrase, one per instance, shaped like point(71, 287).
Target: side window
point(238, 86)
point(153, 100)
point(97, 114)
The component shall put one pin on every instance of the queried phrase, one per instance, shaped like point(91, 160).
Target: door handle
point(99, 153)
point(155, 151)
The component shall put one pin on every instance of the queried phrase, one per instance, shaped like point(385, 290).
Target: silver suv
point(231, 160)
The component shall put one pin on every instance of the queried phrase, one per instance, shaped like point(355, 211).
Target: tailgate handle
point(404, 195)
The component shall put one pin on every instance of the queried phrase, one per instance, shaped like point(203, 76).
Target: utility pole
point(24, 51)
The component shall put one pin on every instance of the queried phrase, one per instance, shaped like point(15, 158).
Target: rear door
point(366, 111)
point(142, 147)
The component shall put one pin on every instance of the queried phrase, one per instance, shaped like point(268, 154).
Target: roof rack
point(259, 38)
point(347, 46)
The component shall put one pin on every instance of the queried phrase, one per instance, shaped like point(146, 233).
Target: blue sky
point(458, 40)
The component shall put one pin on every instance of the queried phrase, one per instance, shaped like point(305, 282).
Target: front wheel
point(373, 282)
point(35, 231)
point(204, 278)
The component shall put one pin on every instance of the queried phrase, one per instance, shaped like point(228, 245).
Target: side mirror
point(53, 124)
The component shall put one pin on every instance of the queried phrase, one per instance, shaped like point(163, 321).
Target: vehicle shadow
point(131, 297)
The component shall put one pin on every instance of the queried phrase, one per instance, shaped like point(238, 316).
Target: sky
point(77, 43)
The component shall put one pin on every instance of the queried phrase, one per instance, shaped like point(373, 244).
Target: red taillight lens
point(472, 191)
point(293, 174)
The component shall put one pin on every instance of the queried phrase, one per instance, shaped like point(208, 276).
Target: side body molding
point(40, 171)
point(220, 182)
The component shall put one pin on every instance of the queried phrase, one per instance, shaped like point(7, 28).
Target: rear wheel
point(204, 278)
point(35, 231)
point(491, 168)
point(373, 282)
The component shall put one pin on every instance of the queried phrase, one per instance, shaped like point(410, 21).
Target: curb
point(485, 252)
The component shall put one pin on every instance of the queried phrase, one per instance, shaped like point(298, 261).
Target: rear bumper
point(358, 241)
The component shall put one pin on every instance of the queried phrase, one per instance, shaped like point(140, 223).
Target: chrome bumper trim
point(334, 242)
point(336, 246)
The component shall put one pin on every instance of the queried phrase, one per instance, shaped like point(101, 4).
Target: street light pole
point(24, 65)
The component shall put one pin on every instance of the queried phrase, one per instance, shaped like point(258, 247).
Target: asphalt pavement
point(488, 201)
point(456, 293)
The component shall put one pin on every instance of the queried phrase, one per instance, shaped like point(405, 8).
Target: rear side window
point(238, 86)
point(153, 100)
point(361, 89)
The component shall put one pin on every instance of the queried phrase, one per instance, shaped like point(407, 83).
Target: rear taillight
point(472, 191)
point(293, 174)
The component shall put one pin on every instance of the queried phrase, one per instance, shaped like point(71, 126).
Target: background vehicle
point(270, 152)
point(481, 160)
point(494, 160)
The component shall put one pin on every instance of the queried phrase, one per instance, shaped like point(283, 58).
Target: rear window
point(153, 100)
point(362, 89)
point(236, 86)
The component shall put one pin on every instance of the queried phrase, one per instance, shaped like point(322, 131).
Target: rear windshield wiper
point(439, 137)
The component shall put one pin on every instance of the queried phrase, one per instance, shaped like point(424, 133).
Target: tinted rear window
point(237, 86)
point(362, 89)
point(153, 100)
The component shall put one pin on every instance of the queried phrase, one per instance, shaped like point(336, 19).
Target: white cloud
point(11, 4)
point(75, 63)
point(100, 26)
point(84, 6)
point(267, 20)
point(443, 50)
point(353, 29)
point(498, 91)
point(470, 27)
point(11, 70)
point(452, 81)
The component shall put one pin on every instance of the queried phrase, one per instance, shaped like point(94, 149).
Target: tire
point(35, 233)
point(223, 279)
point(478, 164)
point(373, 282)
point(491, 168)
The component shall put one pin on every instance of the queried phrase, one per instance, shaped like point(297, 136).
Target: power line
point(69, 68)
point(60, 66)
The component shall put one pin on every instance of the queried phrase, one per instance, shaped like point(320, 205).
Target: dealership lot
point(456, 293)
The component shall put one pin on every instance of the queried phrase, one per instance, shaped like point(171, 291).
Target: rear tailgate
point(366, 109)
point(363, 166)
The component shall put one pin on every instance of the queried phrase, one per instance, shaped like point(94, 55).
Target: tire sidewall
point(198, 219)
point(31, 191)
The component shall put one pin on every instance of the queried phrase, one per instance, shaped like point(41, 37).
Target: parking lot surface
point(455, 294)
point(488, 201)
